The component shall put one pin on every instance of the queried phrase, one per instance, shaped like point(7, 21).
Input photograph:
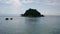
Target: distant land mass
point(32, 13)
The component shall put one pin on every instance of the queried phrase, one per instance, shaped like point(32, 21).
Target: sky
point(46, 7)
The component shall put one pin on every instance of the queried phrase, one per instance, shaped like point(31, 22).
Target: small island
point(32, 13)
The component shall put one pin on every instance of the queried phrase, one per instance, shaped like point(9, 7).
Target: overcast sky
point(47, 7)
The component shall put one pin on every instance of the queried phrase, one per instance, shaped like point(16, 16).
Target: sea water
point(30, 25)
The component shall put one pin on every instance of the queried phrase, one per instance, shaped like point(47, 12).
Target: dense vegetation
point(32, 13)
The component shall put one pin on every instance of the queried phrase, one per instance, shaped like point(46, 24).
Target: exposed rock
point(32, 13)
point(6, 19)
point(11, 18)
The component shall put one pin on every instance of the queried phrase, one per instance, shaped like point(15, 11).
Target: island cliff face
point(32, 13)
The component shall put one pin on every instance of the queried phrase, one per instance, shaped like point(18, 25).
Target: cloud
point(46, 2)
point(51, 2)
point(15, 3)
point(27, 1)
point(9, 6)
point(15, 6)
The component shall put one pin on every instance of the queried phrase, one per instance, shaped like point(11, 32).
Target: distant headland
point(32, 13)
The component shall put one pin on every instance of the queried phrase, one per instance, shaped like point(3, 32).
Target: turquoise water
point(27, 25)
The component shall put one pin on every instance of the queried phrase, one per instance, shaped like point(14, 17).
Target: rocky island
point(32, 13)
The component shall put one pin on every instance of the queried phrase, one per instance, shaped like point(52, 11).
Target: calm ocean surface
point(27, 25)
